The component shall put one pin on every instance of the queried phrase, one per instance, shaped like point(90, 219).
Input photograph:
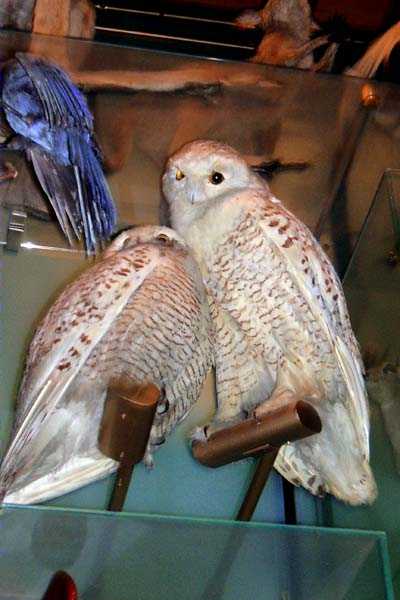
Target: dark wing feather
point(62, 102)
point(57, 182)
point(96, 207)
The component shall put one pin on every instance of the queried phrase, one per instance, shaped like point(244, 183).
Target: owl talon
point(203, 434)
point(199, 434)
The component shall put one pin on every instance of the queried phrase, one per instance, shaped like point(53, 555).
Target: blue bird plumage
point(55, 127)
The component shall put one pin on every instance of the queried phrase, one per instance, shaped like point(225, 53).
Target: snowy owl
point(282, 326)
point(141, 314)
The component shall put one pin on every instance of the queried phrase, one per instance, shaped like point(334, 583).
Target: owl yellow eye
point(216, 178)
point(179, 175)
point(164, 238)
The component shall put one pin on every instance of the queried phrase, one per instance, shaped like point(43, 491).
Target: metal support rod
point(121, 487)
point(15, 229)
point(256, 487)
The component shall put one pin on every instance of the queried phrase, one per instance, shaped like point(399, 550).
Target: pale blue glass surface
point(372, 287)
point(137, 557)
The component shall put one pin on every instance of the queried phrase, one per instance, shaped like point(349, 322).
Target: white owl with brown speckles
point(139, 314)
point(281, 319)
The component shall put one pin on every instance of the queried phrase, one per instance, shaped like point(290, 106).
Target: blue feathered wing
point(51, 115)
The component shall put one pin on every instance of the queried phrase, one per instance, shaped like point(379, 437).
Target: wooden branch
point(171, 80)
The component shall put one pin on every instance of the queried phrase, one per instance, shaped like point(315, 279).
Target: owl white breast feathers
point(282, 326)
point(139, 314)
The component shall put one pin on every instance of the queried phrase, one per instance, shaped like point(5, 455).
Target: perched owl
point(141, 314)
point(282, 327)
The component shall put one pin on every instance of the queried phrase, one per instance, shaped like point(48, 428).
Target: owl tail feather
point(74, 474)
point(355, 487)
point(296, 471)
point(364, 491)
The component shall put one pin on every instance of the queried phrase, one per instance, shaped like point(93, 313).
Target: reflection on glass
point(264, 112)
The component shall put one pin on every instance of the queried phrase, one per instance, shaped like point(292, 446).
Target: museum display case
point(143, 556)
point(146, 105)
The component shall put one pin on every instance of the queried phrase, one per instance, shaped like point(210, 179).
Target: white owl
point(281, 320)
point(140, 313)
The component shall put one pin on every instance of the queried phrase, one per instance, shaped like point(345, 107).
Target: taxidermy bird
point(288, 26)
point(282, 327)
point(141, 314)
point(50, 120)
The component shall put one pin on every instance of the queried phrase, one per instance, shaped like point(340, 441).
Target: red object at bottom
point(61, 587)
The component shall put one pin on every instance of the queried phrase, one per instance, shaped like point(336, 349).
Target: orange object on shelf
point(61, 587)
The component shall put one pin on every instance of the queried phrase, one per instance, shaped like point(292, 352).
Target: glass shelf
point(127, 557)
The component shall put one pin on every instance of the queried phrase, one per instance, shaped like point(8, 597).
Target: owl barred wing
point(318, 283)
point(81, 316)
point(74, 326)
point(160, 332)
point(267, 273)
point(162, 336)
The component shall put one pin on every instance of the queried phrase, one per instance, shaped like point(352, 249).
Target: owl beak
point(195, 194)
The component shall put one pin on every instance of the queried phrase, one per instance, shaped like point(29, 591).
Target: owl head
point(154, 234)
point(201, 174)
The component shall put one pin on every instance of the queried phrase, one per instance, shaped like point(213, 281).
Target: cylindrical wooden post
point(124, 432)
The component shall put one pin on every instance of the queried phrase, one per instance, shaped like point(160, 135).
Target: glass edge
point(384, 179)
point(386, 567)
point(379, 535)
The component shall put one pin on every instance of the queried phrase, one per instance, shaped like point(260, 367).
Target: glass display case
point(145, 106)
point(146, 557)
point(372, 287)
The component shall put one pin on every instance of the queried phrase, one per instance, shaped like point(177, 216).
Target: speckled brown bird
point(139, 314)
point(282, 326)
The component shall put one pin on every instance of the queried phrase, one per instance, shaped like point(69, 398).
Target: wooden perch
point(124, 432)
point(258, 437)
point(253, 436)
point(188, 77)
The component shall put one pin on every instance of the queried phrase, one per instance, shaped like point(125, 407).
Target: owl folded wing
point(73, 327)
point(313, 274)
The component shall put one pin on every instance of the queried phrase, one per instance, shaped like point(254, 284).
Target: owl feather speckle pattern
point(140, 314)
point(282, 326)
